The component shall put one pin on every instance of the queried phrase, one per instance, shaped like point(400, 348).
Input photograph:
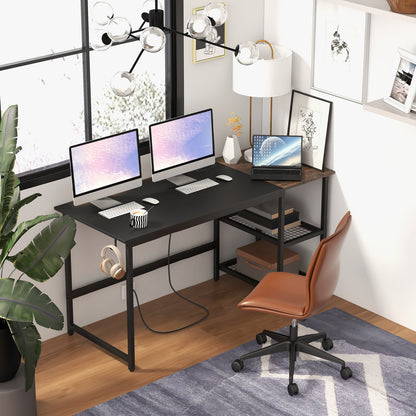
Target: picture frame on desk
point(309, 116)
point(403, 91)
point(340, 50)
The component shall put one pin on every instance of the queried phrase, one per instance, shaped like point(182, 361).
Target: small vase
point(232, 151)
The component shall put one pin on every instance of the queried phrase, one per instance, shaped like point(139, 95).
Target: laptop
point(277, 157)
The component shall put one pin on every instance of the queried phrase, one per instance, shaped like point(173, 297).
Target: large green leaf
point(8, 139)
point(23, 302)
point(43, 257)
point(27, 339)
point(8, 189)
point(20, 230)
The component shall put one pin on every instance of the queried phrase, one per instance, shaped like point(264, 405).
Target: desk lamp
point(264, 78)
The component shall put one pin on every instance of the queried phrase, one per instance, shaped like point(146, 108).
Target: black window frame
point(174, 85)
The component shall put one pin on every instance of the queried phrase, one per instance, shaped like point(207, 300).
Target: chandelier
point(151, 34)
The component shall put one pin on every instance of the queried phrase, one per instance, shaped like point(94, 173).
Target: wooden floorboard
point(74, 374)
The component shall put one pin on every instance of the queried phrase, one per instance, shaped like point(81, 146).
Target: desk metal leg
point(324, 208)
point(281, 239)
point(216, 249)
point(69, 298)
point(130, 308)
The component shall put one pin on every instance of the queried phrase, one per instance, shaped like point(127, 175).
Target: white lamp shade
point(266, 77)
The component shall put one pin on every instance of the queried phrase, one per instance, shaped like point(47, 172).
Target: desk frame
point(221, 215)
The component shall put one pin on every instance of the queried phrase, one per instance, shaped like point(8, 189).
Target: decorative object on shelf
point(309, 117)
point(403, 6)
point(268, 77)
point(403, 91)
point(232, 150)
point(202, 26)
point(21, 302)
point(202, 51)
point(340, 50)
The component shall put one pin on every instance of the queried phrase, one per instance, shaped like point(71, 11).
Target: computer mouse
point(225, 178)
point(150, 200)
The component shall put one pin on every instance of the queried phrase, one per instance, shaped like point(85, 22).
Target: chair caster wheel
point(261, 338)
point(346, 373)
point(292, 389)
point(327, 344)
point(237, 365)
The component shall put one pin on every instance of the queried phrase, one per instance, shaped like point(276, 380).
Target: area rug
point(383, 382)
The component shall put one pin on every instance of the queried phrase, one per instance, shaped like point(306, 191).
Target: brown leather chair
point(298, 297)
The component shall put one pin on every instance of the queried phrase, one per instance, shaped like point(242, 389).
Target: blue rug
point(383, 382)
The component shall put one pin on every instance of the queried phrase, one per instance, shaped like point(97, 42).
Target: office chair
point(298, 297)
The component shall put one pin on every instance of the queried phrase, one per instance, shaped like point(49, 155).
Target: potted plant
point(232, 150)
point(21, 302)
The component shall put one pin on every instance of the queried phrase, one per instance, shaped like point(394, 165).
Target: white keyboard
point(196, 186)
point(120, 210)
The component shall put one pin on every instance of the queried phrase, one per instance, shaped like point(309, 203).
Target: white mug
point(138, 218)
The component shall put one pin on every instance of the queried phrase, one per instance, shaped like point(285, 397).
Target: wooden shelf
point(384, 109)
point(380, 7)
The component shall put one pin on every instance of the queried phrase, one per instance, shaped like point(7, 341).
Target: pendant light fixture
point(152, 35)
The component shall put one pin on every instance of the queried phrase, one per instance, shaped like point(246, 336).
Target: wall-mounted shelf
point(376, 7)
point(384, 109)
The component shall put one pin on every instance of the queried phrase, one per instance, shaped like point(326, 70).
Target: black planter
point(10, 355)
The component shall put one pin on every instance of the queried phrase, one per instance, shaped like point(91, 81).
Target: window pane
point(35, 28)
point(147, 104)
point(49, 96)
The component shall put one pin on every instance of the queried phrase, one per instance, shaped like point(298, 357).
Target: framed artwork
point(403, 91)
point(340, 50)
point(203, 51)
point(309, 117)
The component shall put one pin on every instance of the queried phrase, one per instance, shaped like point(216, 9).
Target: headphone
point(109, 267)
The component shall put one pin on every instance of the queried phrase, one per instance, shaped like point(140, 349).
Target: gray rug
point(383, 382)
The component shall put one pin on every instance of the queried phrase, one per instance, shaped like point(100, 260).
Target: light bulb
point(199, 26)
point(99, 40)
point(217, 11)
point(102, 12)
point(119, 29)
point(248, 53)
point(152, 39)
point(123, 84)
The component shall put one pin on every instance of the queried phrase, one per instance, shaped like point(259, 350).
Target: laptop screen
point(277, 151)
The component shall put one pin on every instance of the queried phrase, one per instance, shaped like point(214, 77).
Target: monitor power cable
point(176, 293)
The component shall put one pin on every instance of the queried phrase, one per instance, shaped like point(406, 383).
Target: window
point(61, 86)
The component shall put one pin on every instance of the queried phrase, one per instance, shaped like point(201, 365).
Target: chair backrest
point(323, 270)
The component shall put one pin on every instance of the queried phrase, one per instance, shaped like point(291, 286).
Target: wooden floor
point(74, 374)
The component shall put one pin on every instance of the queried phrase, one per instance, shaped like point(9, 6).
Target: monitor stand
point(180, 180)
point(104, 203)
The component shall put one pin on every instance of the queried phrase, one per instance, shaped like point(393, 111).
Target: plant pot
point(232, 151)
point(403, 6)
point(10, 355)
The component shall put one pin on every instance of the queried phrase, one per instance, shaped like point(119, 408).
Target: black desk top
point(177, 211)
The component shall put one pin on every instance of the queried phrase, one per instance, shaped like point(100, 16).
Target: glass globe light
point(150, 5)
point(217, 11)
point(199, 26)
point(123, 84)
point(248, 53)
point(102, 13)
point(152, 39)
point(119, 29)
point(99, 40)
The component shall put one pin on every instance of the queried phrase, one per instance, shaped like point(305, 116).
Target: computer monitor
point(181, 145)
point(104, 167)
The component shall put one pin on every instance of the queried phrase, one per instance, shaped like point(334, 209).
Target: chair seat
point(279, 293)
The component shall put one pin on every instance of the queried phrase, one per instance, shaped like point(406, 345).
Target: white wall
point(373, 157)
point(207, 84)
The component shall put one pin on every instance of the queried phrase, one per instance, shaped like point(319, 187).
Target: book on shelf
point(269, 209)
point(265, 222)
point(272, 228)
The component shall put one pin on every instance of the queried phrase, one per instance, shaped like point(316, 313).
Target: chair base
point(293, 343)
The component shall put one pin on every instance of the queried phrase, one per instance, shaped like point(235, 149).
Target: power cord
point(176, 293)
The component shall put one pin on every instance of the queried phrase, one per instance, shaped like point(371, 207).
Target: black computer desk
point(175, 212)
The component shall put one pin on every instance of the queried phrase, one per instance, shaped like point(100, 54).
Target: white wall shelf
point(384, 109)
point(376, 7)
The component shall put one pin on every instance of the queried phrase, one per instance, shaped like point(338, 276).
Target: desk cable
point(176, 293)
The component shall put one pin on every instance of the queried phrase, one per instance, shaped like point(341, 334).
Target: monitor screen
point(182, 144)
point(104, 167)
point(277, 150)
